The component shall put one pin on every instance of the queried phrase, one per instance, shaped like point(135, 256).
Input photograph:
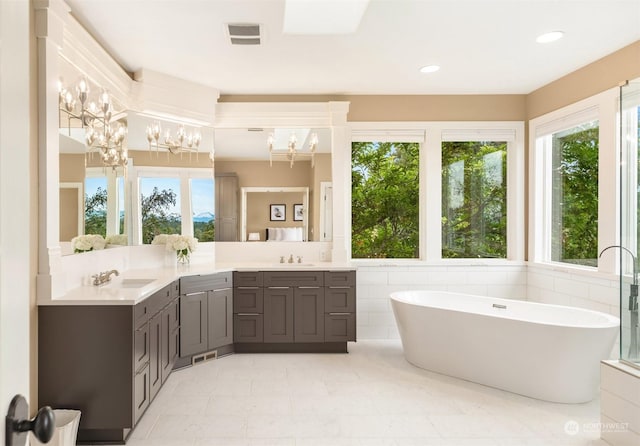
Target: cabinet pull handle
point(193, 294)
point(248, 314)
point(309, 287)
point(339, 287)
point(279, 287)
point(339, 314)
point(222, 289)
point(248, 288)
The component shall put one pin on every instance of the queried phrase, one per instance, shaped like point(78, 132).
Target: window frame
point(430, 209)
point(184, 175)
point(601, 107)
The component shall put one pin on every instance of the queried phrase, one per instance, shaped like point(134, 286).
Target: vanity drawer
point(340, 300)
point(248, 300)
point(195, 284)
point(141, 313)
point(248, 278)
point(293, 278)
point(339, 278)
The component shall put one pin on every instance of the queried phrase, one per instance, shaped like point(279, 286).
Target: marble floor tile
point(369, 397)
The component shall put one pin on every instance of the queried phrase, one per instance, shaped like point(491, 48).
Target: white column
point(341, 175)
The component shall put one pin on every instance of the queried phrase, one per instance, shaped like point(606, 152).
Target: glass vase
point(183, 256)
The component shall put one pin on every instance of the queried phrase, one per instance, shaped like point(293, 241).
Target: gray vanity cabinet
point(340, 306)
point(193, 319)
point(206, 314)
point(248, 307)
point(294, 311)
point(104, 360)
point(278, 314)
point(220, 317)
point(309, 314)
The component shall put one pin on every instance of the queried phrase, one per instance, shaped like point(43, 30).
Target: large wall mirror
point(276, 193)
point(181, 186)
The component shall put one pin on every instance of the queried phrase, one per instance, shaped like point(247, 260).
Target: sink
point(293, 265)
point(132, 283)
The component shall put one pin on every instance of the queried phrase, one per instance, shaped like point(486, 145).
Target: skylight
point(323, 16)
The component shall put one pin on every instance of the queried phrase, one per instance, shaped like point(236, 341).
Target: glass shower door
point(630, 219)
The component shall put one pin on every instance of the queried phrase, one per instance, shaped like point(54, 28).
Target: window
point(202, 205)
point(159, 207)
point(172, 201)
point(574, 195)
point(385, 199)
point(104, 201)
point(474, 199)
point(575, 184)
point(95, 205)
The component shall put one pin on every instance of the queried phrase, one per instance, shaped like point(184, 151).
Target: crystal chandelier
point(180, 143)
point(102, 135)
point(291, 152)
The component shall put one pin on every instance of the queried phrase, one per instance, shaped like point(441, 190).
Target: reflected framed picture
point(298, 212)
point(278, 212)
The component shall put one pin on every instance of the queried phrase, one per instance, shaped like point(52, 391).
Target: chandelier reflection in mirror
point(104, 133)
point(182, 142)
point(283, 143)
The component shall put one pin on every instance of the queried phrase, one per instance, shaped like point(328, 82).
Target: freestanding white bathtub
point(549, 352)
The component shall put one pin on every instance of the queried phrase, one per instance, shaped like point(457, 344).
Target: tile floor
point(370, 396)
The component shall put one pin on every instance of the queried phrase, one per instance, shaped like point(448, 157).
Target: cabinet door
point(169, 341)
point(193, 323)
point(248, 327)
point(141, 397)
point(220, 309)
point(278, 314)
point(155, 353)
point(248, 300)
point(140, 347)
point(309, 314)
point(340, 327)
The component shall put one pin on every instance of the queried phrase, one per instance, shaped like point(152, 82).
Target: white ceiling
point(483, 46)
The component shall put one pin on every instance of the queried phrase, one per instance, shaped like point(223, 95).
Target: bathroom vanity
point(107, 350)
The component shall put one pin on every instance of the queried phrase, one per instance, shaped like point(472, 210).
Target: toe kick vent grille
point(244, 33)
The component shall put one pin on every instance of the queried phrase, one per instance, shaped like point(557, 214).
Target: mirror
point(242, 153)
point(92, 197)
point(262, 183)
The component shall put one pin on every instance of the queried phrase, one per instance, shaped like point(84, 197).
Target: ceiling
point(482, 46)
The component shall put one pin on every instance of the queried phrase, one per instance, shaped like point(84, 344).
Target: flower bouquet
point(88, 242)
point(120, 239)
point(183, 245)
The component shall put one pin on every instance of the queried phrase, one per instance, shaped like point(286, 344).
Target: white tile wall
point(619, 404)
point(375, 284)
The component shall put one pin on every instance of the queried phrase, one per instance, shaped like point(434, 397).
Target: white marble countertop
point(113, 292)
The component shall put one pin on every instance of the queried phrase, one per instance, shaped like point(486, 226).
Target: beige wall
point(414, 107)
point(258, 211)
point(71, 168)
point(587, 81)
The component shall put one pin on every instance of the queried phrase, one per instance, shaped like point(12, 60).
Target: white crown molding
point(170, 96)
point(281, 114)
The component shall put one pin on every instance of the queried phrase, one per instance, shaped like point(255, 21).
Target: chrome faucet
point(104, 276)
point(299, 259)
point(633, 302)
point(290, 258)
point(633, 291)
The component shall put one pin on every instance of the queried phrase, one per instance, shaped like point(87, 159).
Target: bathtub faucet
point(633, 291)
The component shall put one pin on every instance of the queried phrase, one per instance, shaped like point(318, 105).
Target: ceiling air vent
point(244, 33)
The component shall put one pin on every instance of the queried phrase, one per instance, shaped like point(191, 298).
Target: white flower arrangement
point(120, 239)
point(88, 242)
point(182, 245)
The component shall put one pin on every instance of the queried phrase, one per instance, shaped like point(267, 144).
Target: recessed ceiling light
point(430, 69)
point(550, 37)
